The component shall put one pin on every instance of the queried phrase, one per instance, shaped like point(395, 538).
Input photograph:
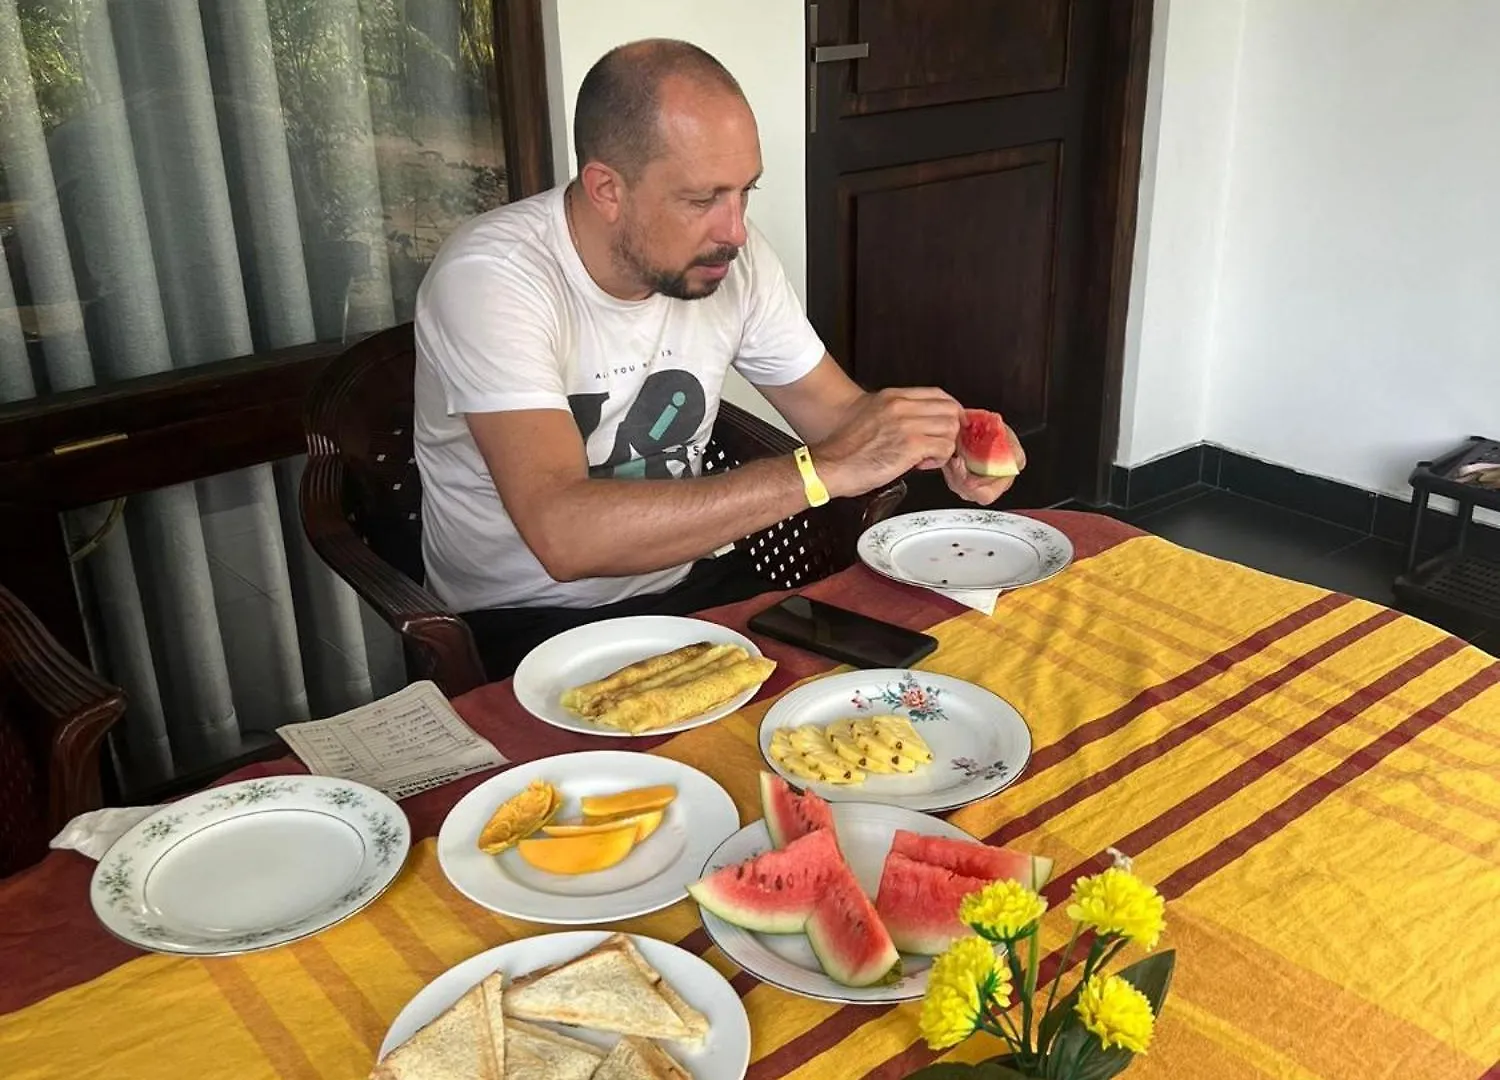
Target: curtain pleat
point(221, 186)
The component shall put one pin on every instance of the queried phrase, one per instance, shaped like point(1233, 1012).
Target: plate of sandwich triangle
point(580, 1005)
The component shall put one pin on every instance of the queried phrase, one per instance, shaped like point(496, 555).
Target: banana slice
point(835, 769)
point(896, 734)
point(901, 730)
point(809, 738)
point(849, 750)
point(800, 767)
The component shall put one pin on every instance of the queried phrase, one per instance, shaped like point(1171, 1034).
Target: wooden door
point(971, 210)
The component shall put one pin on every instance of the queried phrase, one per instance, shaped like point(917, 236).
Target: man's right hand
point(885, 435)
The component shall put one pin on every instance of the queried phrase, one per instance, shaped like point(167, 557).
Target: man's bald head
point(617, 118)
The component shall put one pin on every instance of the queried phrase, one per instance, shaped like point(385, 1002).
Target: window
point(199, 205)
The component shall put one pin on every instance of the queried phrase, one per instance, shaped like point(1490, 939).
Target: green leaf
point(1151, 976)
point(949, 1070)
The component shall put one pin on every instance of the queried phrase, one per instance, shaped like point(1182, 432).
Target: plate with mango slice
point(585, 838)
point(913, 739)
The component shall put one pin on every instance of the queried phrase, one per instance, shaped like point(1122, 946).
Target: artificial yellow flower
point(1003, 910)
point(1118, 902)
point(963, 983)
point(1116, 1012)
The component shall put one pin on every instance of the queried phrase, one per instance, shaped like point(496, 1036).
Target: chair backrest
point(361, 413)
point(23, 782)
point(53, 712)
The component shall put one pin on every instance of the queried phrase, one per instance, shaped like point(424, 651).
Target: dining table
point(1311, 781)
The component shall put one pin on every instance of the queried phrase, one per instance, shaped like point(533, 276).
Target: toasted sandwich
point(465, 1042)
point(609, 988)
point(534, 1053)
point(639, 1059)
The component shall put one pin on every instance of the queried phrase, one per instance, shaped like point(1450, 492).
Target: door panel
point(933, 52)
point(971, 194)
point(981, 227)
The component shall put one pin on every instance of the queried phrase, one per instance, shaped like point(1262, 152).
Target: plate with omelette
point(642, 675)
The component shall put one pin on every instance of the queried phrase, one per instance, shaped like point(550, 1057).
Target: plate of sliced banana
point(906, 738)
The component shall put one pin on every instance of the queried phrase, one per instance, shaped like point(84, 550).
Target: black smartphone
point(841, 634)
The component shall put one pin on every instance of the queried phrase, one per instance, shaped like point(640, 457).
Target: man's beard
point(672, 283)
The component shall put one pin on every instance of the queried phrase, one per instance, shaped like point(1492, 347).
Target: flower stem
point(1114, 951)
point(1057, 979)
point(1018, 981)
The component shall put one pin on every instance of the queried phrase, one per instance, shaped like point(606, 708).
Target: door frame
point(78, 448)
point(1126, 50)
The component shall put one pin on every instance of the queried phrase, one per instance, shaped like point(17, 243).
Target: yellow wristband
point(817, 494)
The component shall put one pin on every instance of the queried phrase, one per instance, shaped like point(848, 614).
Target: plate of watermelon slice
point(789, 898)
point(965, 549)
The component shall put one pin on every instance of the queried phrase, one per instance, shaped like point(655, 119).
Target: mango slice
point(645, 823)
point(634, 801)
point(583, 854)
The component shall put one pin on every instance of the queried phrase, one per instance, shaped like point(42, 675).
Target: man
point(571, 350)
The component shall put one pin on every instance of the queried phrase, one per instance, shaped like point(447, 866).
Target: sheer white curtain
point(185, 181)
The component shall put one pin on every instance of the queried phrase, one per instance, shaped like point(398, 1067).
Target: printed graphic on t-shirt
point(654, 439)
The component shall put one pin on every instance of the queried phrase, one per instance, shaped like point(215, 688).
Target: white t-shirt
point(508, 318)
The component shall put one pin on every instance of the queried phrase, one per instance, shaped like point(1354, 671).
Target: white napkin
point(981, 600)
point(91, 833)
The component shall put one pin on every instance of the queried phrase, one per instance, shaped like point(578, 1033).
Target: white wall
point(763, 45)
point(1340, 312)
point(1180, 225)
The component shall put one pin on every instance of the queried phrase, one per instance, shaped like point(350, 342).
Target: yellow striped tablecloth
point(1313, 782)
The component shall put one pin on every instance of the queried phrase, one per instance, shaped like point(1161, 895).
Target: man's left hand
point(981, 489)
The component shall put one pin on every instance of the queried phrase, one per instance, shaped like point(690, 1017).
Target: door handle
point(832, 54)
point(824, 54)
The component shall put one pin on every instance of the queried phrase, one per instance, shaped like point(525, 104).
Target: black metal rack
point(1458, 578)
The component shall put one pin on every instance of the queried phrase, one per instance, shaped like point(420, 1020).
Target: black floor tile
point(1365, 569)
point(1252, 533)
point(1137, 513)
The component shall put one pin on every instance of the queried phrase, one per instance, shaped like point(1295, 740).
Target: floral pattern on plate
point(919, 702)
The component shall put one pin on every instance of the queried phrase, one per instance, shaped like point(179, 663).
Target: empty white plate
point(591, 652)
point(980, 744)
point(865, 832)
point(723, 1055)
point(250, 865)
point(965, 549)
point(654, 875)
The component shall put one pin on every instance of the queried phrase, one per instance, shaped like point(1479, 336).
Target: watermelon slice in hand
point(986, 446)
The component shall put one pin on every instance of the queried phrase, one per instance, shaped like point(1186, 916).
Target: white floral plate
point(250, 865)
point(591, 652)
point(979, 742)
point(965, 549)
point(654, 875)
point(865, 832)
point(723, 1055)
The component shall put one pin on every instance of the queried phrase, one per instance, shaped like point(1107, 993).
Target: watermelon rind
point(970, 858)
point(848, 938)
point(788, 815)
point(775, 891)
point(986, 446)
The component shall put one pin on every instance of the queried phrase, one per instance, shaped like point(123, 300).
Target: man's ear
point(605, 190)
